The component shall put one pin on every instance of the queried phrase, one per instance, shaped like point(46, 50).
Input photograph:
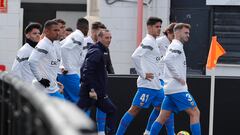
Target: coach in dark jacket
point(94, 81)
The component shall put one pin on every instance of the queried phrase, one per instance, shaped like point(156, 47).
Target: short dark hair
point(179, 26)
point(31, 26)
point(169, 28)
point(82, 23)
point(49, 23)
point(69, 29)
point(96, 25)
point(153, 20)
point(60, 21)
point(102, 26)
point(100, 33)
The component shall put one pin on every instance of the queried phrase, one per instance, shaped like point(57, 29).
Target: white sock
point(101, 133)
point(146, 132)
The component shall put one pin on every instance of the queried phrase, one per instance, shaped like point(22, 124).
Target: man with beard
point(21, 65)
point(43, 61)
point(177, 97)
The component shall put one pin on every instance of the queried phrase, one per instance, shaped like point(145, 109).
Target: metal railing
point(25, 110)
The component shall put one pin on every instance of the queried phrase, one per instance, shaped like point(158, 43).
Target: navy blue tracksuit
point(94, 76)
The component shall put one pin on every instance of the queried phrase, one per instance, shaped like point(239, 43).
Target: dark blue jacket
point(107, 59)
point(93, 71)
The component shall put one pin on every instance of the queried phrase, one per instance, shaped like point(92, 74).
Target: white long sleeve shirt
point(21, 65)
point(44, 64)
point(72, 52)
point(146, 60)
point(175, 67)
point(57, 45)
point(87, 40)
point(163, 43)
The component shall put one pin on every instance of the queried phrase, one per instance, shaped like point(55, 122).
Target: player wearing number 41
point(177, 96)
point(163, 42)
point(146, 60)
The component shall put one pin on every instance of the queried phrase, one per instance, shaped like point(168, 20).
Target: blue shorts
point(146, 97)
point(71, 85)
point(57, 94)
point(178, 102)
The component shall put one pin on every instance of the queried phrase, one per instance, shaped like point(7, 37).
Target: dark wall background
point(123, 88)
point(226, 113)
point(198, 15)
point(41, 12)
point(225, 23)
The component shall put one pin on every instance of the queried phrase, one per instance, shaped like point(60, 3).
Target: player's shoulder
point(176, 44)
point(77, 35)
point(162, 40)
point(44, 46)
point(148, 40)
point(25, 50)
point(148, 43)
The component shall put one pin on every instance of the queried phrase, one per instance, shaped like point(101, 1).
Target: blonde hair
point(169, 28)
point(179, 26)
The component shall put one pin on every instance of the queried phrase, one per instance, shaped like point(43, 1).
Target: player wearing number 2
point(146, 60)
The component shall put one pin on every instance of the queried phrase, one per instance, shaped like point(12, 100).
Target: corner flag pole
point(212, 94)
point(215, 52)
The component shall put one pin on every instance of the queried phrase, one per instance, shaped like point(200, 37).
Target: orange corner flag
point(215, 52)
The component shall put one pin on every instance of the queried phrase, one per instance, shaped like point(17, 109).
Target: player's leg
point(185, 101)
point(165, 113)
point(142, 99)
point(154, 114)
point(157, 101)
point(127, 119)
point(169, 124)
point(158, 123)
point(101, 121)
point(106, 106)
point(194, 115)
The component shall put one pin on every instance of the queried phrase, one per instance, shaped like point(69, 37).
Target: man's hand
point(61, 87)
point(93, 94)
point(64, 71)
point(149, 76)
point(45, 82)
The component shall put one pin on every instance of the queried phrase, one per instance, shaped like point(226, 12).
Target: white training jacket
point(87, 40)
point(72, 52)
point(163, 43)
point(21, 65)
point(44, 64)
point(146, 59)
point(57, 46)
point(175, 67)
